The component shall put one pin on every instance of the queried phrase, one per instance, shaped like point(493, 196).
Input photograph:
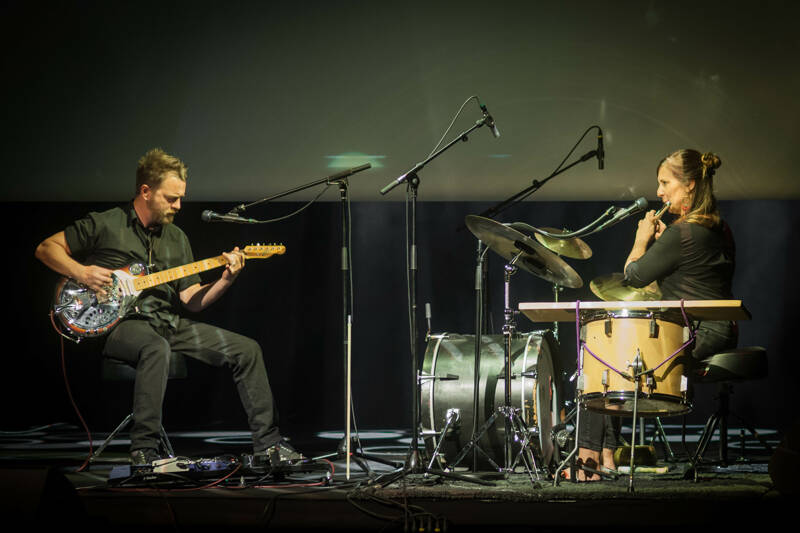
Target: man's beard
point(166, 217)
point(163, 217)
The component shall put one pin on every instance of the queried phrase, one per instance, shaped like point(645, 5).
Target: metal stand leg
point(633, 436)
point(111, 436)
point(453, 415)
point(162, 434)
point(659, 431)
point(515, 429)
point(637, 366)
point(570, 457)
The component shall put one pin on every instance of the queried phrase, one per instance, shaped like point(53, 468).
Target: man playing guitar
point(143, 232)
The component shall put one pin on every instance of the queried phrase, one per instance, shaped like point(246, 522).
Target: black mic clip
point(488, 120)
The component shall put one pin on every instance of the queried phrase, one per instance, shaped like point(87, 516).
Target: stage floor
point(41, 482)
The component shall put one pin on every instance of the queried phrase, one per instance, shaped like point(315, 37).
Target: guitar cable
point(69, 394)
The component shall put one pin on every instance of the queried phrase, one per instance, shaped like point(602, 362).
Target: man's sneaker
point(144, 456)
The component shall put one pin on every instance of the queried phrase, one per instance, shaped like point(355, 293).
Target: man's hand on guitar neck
point(235, 260)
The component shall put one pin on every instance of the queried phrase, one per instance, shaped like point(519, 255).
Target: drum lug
point(604, 381)
point(447, 377)
point(608, 327)
point(651, 383)
point(653, 328)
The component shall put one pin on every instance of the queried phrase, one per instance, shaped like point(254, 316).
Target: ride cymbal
point(574, 248)
point(614, 288)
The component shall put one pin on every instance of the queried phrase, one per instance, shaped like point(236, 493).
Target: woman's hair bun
point(710, 160)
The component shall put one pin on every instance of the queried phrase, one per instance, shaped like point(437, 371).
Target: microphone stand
point(413, 465)
point(535, 186)
point(330, 180)
point(341, 179)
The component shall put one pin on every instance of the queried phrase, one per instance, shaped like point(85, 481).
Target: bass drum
point(448, 381)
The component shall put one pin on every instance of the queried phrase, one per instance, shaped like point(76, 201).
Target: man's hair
point(153, 167)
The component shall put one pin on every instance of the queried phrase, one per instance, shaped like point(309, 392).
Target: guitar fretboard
point(172, 274)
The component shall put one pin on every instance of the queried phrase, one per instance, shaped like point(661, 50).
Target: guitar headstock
point(262, 251)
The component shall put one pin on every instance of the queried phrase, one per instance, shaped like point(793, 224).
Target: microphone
point(489, 120)
point(601, 153)
point(621, 214)
point(211, 216)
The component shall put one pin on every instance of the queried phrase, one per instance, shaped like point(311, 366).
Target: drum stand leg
point(571, 456)
point(453, 415)
point(662, 436)
point(515, 429)
point(637, 367)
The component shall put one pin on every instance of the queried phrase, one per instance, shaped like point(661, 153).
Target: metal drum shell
point(454, 354)
point(615, 338)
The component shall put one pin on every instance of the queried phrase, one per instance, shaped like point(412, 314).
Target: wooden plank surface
point(695, 309)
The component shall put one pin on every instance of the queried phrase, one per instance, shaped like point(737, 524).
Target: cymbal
point(574, 248)
point(533, 257)
point(614, 288)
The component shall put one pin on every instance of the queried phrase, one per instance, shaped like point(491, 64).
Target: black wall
point(292, 304)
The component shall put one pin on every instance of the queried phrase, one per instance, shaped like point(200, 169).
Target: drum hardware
point(574, 248)
point(556, 290)
point(537, 400)
point(453, 416)
point(515, 428)
point(662, 436)
point(650, 336)
point(633, 431)
point(448, 377)
point(527, 374)
point(531, 256)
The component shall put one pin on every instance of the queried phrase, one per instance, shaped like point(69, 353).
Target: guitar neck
point(173, 274)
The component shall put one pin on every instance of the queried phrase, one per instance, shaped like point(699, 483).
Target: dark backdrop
point(292, 305)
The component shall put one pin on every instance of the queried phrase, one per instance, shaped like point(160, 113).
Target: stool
point(114, 370)
point(736, 365)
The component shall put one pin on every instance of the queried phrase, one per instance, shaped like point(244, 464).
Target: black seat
point(114, 370)
point(739, 364)
point(725, 368)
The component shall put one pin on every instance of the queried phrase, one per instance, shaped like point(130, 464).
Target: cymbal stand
point(556, 290)
point(515, 428)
